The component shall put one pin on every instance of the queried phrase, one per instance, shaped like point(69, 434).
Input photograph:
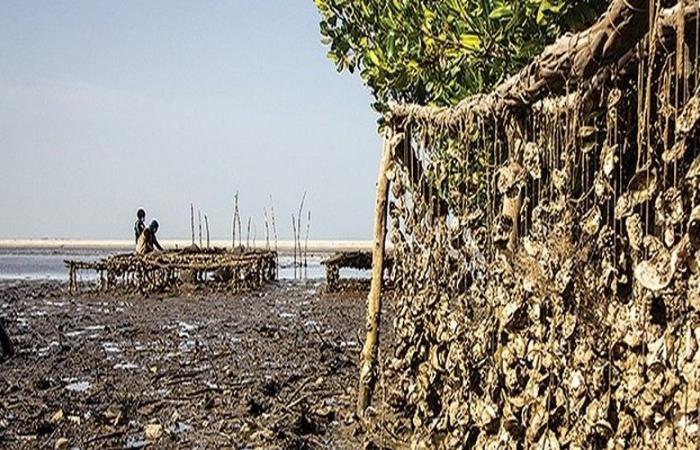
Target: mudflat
point(269, 369)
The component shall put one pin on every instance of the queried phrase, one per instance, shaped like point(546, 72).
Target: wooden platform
point(359, 260)
point(223, 269)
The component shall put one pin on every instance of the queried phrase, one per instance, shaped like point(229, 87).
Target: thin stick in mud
point(192, 221)
point(247, 236)
point(206, 222)
point(294, 233)
point(199, 224)
point(267, 230)
point(306, 244)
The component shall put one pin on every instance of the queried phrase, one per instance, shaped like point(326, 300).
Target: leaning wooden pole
point(368, 370)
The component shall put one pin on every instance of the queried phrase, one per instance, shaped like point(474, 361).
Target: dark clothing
point(5, 343)
point(139, 226)
point(147, 242)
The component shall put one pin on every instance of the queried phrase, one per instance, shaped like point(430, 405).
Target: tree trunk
point(578, 56)
point(368, 370)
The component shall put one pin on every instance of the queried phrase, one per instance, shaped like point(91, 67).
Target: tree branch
point(574, 57)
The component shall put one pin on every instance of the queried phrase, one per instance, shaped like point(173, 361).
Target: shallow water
point(37, 264)
point(44, 264)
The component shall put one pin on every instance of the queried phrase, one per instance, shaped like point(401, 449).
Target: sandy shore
point(116, 244)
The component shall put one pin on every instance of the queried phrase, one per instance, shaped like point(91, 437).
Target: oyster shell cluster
point(587, 334)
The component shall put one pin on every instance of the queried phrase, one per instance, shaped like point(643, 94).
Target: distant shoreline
point(122, 244)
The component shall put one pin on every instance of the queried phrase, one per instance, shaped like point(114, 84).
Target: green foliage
point(440, 51)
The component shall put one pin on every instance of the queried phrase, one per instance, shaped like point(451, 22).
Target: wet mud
point(270, 369)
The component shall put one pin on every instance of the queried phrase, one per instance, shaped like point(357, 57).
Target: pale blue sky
point(108, 106)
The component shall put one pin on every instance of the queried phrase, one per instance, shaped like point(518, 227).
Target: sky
point(106, 107)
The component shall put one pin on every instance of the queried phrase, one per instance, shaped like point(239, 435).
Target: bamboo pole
point(233, 230)
point(274, 230)
point(199, 224)
point(235, 221)
point(247, 236)
point(206, 222)
point(238, 220)
point(274, 221)
point(368, 369)
point(294, 233)
point(306, 245)
point(192, 221)
point(267, 230)
point(297, 238)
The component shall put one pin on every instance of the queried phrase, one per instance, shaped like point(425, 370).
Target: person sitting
point(148, 242)
point(140, 224)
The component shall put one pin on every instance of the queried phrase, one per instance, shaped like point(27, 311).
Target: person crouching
point(148, 242)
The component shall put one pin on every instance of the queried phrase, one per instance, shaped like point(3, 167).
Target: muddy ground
point(271, 369)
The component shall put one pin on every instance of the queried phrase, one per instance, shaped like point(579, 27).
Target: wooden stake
point(306, 244)
point(294, 233)
point(274, 230)
point(274, 221)
point(238, 219)
point(192, 221)
point(233, 221)
point(233, 231)
point(199, 223)
point(297, 236)
point(368, 369)
point(206, 221)
point(267, 230)
point(247, 236)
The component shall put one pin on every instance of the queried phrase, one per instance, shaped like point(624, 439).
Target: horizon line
point(119, 244)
